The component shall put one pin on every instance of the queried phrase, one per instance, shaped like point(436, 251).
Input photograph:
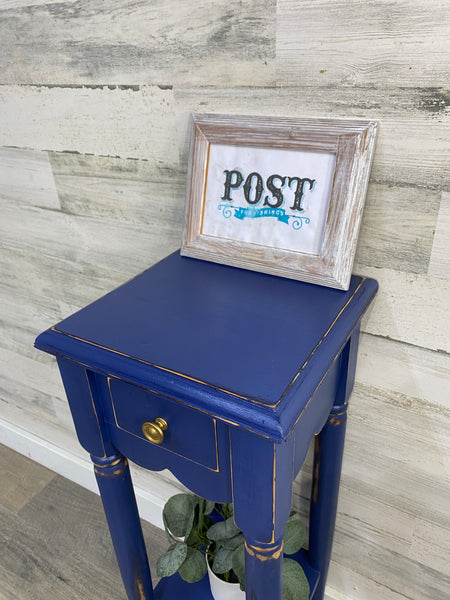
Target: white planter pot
point(221, 590)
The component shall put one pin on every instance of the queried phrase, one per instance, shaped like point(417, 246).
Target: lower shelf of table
point(174, 588)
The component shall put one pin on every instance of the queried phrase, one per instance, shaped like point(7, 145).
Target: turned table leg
point(119, 503)
point(262, 491)
point(264, 569)
point(329, 448)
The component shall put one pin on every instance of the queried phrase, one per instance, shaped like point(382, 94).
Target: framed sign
point(281, 196)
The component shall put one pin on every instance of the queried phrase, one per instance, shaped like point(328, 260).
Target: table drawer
point(190, 433)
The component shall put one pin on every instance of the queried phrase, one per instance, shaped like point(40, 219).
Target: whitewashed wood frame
point(352, 142)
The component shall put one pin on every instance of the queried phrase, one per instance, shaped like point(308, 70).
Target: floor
point(54, 541)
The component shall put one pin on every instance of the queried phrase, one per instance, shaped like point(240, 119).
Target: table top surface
point(248, 333)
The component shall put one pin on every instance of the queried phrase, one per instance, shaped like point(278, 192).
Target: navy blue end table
point(223, 376)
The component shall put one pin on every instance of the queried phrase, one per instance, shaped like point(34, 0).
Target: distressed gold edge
point(216, 470)
point(264, 554)
point(265, 549)
point(143, 387)
point(107, 374)
point(291, 383)
point(268, 437)
point(253, 400)
point(113, 474)
point(310, 357)
point(321, 381)
point(205, 412)
point(140, 589)
point(334, 415)
point(222, 419)
point(111, 464)
point(145, 362)
point(95, 412)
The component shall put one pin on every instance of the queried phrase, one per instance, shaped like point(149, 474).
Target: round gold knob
point(154, 430)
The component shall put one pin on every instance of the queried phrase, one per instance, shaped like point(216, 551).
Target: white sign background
point(268, 230)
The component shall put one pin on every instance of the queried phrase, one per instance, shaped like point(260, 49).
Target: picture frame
point(282, 196)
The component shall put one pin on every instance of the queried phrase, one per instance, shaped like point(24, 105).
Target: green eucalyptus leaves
point(196, 527)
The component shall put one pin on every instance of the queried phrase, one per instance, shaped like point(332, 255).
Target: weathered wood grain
point(410, 308)
point(32, 565)
point(414, 124)
point(378, 42)
point(397, 228)
point(19, 4)
point(35, 396)
point(87, 239)
point(21, 479)
point(417, 481)
point(111, 193)
point(135, 42)
point(440, 254)
point(103, 121)
point(58, 546)
point(348, 584)
point(30, 274)
point(411, 145)
point(413, 372)
point(408, 477)
point(61, 497)
point(122, 191)
point(26, 178)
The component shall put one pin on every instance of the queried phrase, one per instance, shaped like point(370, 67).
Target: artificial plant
point(196, 528)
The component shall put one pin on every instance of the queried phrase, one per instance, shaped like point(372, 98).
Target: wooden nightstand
point(233, 373)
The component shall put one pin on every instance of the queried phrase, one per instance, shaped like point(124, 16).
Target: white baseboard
point(78, 468)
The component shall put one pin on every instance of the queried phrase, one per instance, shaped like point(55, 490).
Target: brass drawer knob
point(154, 430)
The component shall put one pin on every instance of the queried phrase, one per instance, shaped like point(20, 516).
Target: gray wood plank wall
point(94, 104)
